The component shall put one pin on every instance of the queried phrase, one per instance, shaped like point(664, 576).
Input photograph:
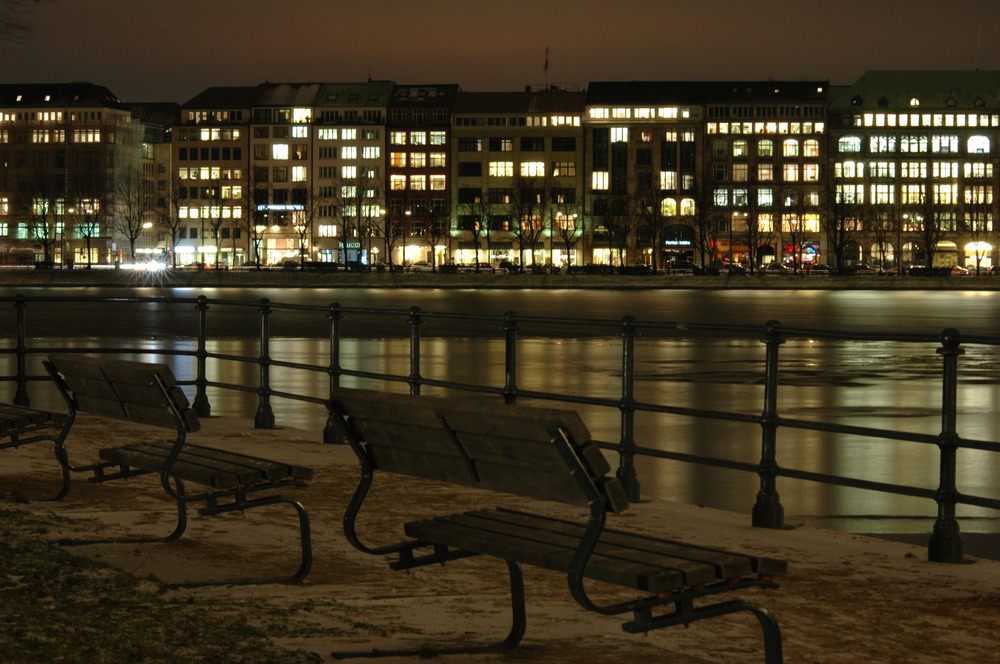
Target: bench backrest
point(135, 391)
point(510, 448)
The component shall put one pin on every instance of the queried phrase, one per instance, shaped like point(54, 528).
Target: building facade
point(894, 171)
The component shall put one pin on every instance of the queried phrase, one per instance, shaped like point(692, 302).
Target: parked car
point(476, 267)
point(512, 268)
point(681, 267)
point(775, 268)
point(816, 269)
point(420, 266)
point(958, 271)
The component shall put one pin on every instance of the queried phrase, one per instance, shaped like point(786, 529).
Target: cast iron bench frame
point(148, 394)
point(20, 425)
point(546, 454)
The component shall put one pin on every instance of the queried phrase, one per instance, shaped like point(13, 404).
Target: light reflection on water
point(872, 384)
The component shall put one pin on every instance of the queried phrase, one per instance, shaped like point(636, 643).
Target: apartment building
point(417, 216)
point(913, 156)
point(66, 150)
point(518, 167)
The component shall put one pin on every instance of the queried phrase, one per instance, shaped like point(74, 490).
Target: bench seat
point(21, 425)
point(634, 561)
point(212, 467)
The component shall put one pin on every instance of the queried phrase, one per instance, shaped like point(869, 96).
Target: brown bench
point(20, 425)
point(148, 394)
point(545, 454)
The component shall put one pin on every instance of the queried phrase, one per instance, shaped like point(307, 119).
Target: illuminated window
point(810, 173)
point(86, 135)
point(740, 148)
point(850, 193)
point(945, 194)
point(328, 230)
point(600, 113)
point(299, 173)
point(944, 143)
point(279, 151)
point(765, 222)
point(978, 195)
point(687, 207)
point(599, 180)
point(765, 197)
point(849, 144)
point(883, 194)
point(668, 207)
point(397, 182)
point(349, 172)
point(765, 172)
point(882, 143)
point(882, 169)
point(437, 159)
point(945, 169)
point(418, 159)
point(397, 137)
point(911, 194)
point(619, 134)
point(438, 182)
point(349, 134)
point(349, 152)
point(913, 169)
point(563, 169)
point(397, 159)
point(371, 152)
point(810, 148)
point(621, 113)
point(302, 115)
point(790, 172)
point(978, 170)
point(418, 182)
point(437, 138)
point(720, 197)
point(740, 172)
point(979, 144)
point(765, 147)
point(418, 138)
point(348, 191)
point(790, 148)
point(299, 131)
point(533, 169)
point(668, 180)
point(740, 197)
point(502, 169)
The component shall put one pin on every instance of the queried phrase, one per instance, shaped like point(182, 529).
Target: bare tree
point(709, 222)
point(166, 218)
point(927, 220)
point(528, 208)
point(88, 200)
point(41, 205)
point(978, 219)
point(133, 203)
point(481, 212)
point(649, 205)
point(567, 226)
point(843, 208)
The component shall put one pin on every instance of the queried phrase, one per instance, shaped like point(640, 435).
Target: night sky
point(170, 51)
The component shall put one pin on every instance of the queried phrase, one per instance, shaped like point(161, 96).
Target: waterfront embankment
point(281, 278)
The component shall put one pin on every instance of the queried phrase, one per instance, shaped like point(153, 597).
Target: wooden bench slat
point(649, 567)
point(725, 564)
point(548, 550)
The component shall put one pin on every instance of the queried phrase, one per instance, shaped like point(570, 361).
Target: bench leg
point(174, 535)
point(305, 531)
point(685, 615)
point(518, 624)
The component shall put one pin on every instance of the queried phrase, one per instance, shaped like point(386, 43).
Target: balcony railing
point(945, 544)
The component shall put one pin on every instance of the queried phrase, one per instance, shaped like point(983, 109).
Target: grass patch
point(60, 607)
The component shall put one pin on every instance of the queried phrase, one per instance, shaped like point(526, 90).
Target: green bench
point(20, 425)
point(148, 394)
point(545, 454)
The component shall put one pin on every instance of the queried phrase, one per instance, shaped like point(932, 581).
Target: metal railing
point(945, 544)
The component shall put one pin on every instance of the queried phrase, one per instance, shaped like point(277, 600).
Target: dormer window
point(914, 101)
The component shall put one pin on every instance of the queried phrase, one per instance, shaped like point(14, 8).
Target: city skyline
point(191, 46)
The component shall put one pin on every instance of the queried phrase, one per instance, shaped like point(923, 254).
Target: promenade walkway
point(847, 599)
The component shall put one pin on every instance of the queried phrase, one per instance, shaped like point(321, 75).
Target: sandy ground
point(847, 598)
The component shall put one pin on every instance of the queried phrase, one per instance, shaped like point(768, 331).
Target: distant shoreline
point(99, 278)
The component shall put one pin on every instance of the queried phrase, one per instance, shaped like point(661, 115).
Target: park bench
point(148, 394)
point(20, 425)
point(544, 454)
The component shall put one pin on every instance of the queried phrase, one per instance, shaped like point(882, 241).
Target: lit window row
point(418, 138)
point(915, 143)
point(638, 113)
point(417, 182)
point(766, 127)
point(209, 173)
point(32, 116)
point(926, 120)
point(418, 159)
point(48, 136)
point(209, 212)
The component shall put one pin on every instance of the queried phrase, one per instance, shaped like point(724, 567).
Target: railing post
point(264, 419)
point(335, 316)
point(945, 545)
point(767, 511)
point(510, 328)
point(416, 320)
point(201, 404)
point(21, 397)
point(626, 447)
